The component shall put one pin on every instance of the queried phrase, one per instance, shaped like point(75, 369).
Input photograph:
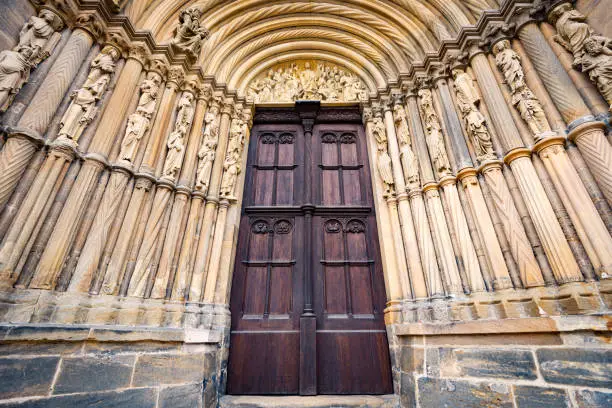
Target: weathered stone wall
point(527, 363)
point(63, 366)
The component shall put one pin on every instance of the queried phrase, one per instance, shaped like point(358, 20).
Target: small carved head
point(501, 46)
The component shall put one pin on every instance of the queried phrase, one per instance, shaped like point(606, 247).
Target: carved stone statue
point(14, 72)
point(176, 139)
point(528, 105)
point(401, 125)
point(592, 52)
point(410, 163)
point(384, 160)
point(312, 81)
point(475, 122)
point(82, 109)
point(207, 151)
point(188, 36)
point(140, 121)
point(40, 34)
point(433, 131)
point(232, 165)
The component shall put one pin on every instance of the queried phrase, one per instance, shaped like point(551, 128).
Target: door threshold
point(318, 401)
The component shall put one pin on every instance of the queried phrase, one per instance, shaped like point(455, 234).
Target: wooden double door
point(308, 290)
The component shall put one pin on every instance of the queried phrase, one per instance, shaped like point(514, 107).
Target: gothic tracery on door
point(308, 291)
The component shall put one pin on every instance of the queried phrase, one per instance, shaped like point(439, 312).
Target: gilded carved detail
point(189, 34)
point(475, 122)
point(523, 98)
point(306, 80)
point(82, 108)
point(232, 166)
point(207, 152)
point(379, 133)
point(37, 39)
point(176, 139)
point(433, 131)
point(592, 52)
point(409, 160)
point(139, 122)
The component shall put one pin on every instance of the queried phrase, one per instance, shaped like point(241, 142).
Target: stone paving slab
point(319, 401)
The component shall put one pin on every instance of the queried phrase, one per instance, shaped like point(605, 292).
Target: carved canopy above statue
point(306, 80)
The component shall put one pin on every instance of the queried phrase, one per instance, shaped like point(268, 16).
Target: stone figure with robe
point(308, 78)
point(15, 69)
point(433, 132)
point(140, 121)
point(188, 36)
point(176, 139)
point(207, 152)
point(82, 108)
point(384, 160)
point(232, 164)
point(40, 34)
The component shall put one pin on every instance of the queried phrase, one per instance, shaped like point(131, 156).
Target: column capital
point(517, 153)
point(176, 75)
point(90, 22)
point(205, 92)
point(496, 32)
point(154, 64)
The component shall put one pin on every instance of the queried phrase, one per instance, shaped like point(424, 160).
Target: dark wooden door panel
point(308, 236)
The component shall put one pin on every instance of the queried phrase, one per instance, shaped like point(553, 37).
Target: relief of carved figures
point(189, 34)
point(37, 39)
point(592, 52)
point(139, 122)
point(433, 132)
point(232, 165)
point(409, 160)
point(82, 108)
point(176, 139)
point(475, 122)
point(379, 133)
point(306, 80)
point(207, 152)
point(523, 98)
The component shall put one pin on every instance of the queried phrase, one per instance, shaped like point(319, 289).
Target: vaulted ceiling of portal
point(376, 39)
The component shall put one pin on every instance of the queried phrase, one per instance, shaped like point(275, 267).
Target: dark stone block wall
point(77, 366)
point(526, 367)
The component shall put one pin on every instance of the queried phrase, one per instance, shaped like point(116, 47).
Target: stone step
point(319, 401)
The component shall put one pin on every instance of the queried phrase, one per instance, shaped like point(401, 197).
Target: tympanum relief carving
point(592, 52)
point(232, 165)
point(475, 122)
point(523, 98)
point(176, 139)
point(37, 39)
point(306, 80)
point(139, 122)
point(433, 133)
point(379, 133)
point(82, 109)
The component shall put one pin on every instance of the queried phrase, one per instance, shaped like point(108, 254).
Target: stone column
point(187, 248)
point(200, 278)
point(550, 147)
point(584, 129)
point(27, 136)
point(517, 157)
point(411, 250)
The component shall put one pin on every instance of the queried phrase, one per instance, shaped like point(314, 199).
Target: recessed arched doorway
point(308, 290)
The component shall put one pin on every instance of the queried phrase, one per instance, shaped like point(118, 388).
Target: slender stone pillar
point(200, 279)
point(556, 247)
point(584, 130)
point(411, 252)
point(25, 138)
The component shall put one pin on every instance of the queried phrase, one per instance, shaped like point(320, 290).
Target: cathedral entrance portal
point(308, 292)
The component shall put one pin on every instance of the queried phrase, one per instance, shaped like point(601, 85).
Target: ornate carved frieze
point(306, 80)
point(474, 121)
point(189, 34)
point(433, 133)
point(139, 122)
point(83, 107)
point(207, 152)
point(176, 139)
point(523, 98)
point(592, 52)
point(37, 39)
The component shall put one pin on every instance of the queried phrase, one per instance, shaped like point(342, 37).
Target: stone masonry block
point(407, 394)
point(132, 398)
point(412, 359)
point(169, 369)
point(512, 364)
point(99, 373)
point(185, 396)
point(21, 377)
point(438, 393)
point(538, 397)
point(591, 368)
